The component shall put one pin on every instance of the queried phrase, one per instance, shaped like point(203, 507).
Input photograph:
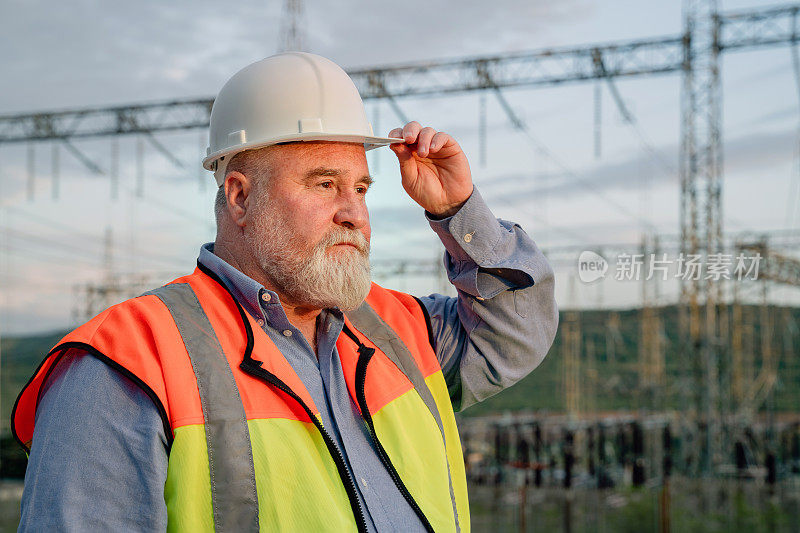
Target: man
point(276, 388)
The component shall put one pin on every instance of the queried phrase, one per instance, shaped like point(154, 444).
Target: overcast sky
point(88, 53)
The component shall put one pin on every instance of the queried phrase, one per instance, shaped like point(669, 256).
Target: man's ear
point(237, 194)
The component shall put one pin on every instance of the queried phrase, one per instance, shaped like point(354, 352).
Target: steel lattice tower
point(701, 211)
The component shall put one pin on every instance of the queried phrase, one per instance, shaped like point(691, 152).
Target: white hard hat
point(294, 96)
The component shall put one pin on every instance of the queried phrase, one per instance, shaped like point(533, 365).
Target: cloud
point(749, 154)
point(366, 34)
point(89, 52)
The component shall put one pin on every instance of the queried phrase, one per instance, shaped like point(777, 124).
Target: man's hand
point(434, 169)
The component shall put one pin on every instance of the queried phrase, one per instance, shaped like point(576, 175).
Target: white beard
point(312, 277)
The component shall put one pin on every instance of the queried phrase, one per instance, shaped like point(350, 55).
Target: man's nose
point(351, 211)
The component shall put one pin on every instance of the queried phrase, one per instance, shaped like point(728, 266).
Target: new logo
point(591, 266)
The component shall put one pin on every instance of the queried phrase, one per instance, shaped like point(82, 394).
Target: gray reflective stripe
point(230, 456)
point(368, 322)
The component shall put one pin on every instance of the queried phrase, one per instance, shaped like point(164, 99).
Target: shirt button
point(266, 297)
point(364, 482)
point(260, 322)
point(468, 237)
point(287, 333)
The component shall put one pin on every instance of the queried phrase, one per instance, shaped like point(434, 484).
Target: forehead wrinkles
point(300, 162)
point(321, 153)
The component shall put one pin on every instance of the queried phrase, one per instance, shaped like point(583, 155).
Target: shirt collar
point(244, 288)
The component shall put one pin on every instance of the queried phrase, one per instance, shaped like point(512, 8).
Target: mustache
point(345, 236)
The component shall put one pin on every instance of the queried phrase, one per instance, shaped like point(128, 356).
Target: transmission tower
point(292, 23)
point(701, 218)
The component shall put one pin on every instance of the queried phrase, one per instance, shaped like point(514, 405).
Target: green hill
point(609, 368)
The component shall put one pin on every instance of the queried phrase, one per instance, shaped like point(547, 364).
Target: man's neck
point(302, 317)
point(305, 321)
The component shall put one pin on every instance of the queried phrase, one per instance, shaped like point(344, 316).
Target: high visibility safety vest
point(247, 447)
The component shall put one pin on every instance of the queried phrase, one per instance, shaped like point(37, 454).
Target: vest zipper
point(365, 354)
point(252, 367)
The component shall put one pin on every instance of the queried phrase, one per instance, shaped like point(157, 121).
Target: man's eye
point(362, 189)
point(326, 184)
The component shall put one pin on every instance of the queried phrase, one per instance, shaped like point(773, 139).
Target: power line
point(82, 251)
point(629, 117)
point(545, 151)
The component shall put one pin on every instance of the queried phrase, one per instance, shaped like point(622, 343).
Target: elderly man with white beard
point(277, 387)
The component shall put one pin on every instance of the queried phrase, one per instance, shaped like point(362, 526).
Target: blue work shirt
point(99, 454)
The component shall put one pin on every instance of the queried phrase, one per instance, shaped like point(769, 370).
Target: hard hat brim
point(369, 142)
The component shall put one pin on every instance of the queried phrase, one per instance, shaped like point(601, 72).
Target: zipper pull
point(365, 351)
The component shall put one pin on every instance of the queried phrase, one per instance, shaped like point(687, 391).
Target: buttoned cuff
point(485, 255)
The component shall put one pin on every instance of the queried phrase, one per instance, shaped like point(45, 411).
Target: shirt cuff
point(485, 255)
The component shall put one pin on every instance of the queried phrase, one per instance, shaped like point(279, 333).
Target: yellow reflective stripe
point(438, 387)
point(298, 484)
point(411, 438)
point(187, 490)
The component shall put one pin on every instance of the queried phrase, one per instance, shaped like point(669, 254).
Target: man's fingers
point(438, 141)
point(402, 150)
point(410, 131)
point(424, 141)
point(419, 141)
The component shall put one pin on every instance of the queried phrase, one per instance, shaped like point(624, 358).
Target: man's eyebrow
point(333, 172)
point(323, 171)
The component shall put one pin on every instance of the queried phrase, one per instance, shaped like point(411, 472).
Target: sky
point(89, 53)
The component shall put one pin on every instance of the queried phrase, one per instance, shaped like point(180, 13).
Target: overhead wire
point(72, 231)
point(541, 147)
point(78, 250)
point(171, 208)
point(57, 225)
point(46, 254)
point(545, 151)
point(630, 119)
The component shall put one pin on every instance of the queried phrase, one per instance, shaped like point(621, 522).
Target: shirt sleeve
point(504, 320)
point(98, 460)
